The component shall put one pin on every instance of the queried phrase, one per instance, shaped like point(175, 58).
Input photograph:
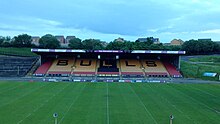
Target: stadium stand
point(108, 67)
point(131, 68)
point(61, 67)
point(172, 70)
point(90, 67)
point(13, 66)
point(42, 70)
point(154, 68)
point(84, 67)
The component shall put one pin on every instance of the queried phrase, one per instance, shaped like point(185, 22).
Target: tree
point(115, 45)
point(216, 47)
point(207, 47)
point(8, 39)
point(92, 44)
point(150, 40)
point(127, 45)
point(75, 43)
point(199, 47)
point(5, 41)
point(140, 46)
point(156, 46)
point(173, 47)
point(49, 41)
point(23, 40)
point(2, 39)
point(6, 44)
point(189, 46)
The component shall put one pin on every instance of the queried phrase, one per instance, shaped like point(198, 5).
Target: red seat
point(172, 70)
point(42, 70)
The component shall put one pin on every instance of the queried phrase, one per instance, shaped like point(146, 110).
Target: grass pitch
point(196, 67)
point(108, 103)
point(16, 51)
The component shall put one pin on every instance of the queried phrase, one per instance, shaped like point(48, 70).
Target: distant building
point(61, 39)
point(120, 39)
point(176, 42)
point(68, 38)
point(155, 40)
point(104, 44)
point(35, 40)
point(205, 39)
point(142, 39)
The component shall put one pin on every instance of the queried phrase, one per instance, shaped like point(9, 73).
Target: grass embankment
point(109, 103)
point(196, 67)
point(16, 51)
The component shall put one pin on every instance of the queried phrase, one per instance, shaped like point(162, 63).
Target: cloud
point(48, 22)
point(25, 23)
point(112, 18)
point(38, 26)
point(212, 31)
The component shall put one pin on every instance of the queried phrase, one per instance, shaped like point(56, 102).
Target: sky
point(109, 19)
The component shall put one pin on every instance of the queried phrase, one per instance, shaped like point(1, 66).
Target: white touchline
point(205, 92)
point(41, 105)
point(143, 105)
point(73, 102)
point(22, 96)
point(11, 88)
point(210, 108)
point(174, 106)
point(107, 104)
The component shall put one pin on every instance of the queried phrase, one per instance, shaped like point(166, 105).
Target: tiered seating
point(15, 66)
point(108, 68)
point(61, 67)
point(42, 70)
point(85, 67)
point(154, 68)
point(131, 67)
point(172, 70)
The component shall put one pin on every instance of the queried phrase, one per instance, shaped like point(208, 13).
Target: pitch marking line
point(143, 105)
point(73, 102)
point(174, 106)
point(217, 111)
point(205, 92)
point(197, 101)
point(42, 104)
point(23, 95)
point(107, 105)
point(24, 118)
point(11, 88)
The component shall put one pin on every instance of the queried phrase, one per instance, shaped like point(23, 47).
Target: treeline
point(95, 44)
point(23, 40)
point(50, 41)
point(201, 47)
point(192, 47)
